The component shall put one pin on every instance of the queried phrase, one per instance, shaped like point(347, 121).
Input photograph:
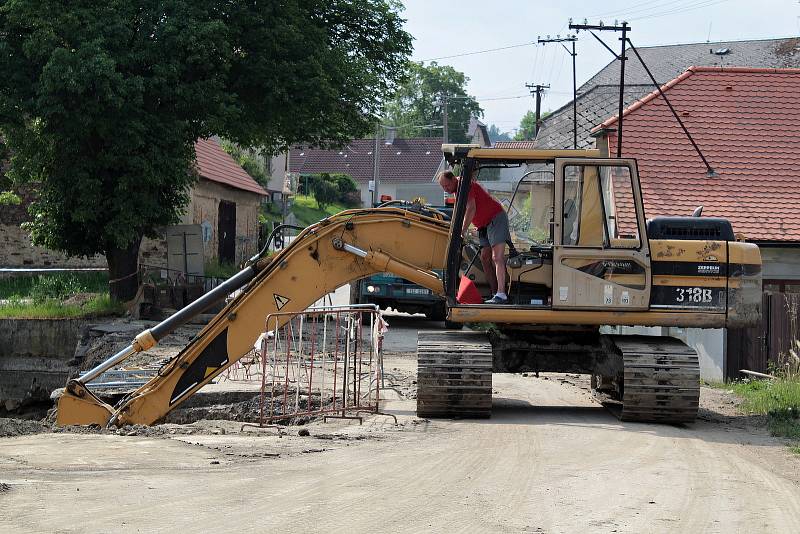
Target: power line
point(504, 98)
point(479, 52)
point(699, 5)
point(647, 10)
point(636, 9)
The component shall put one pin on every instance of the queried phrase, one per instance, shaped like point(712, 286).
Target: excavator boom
point(345, 247)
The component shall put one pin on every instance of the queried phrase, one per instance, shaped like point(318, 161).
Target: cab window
point(599, 207)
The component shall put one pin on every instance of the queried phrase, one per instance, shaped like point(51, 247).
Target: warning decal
point(280, 301)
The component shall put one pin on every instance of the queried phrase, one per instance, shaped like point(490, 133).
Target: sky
point(497, 79)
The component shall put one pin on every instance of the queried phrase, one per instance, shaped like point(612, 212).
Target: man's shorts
point(495, 232)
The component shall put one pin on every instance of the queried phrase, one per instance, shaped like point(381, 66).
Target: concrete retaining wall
point(34, 357)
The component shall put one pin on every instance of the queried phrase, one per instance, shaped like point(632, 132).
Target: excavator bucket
point(84, 410)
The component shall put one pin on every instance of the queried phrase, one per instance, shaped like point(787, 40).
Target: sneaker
point(497, 300)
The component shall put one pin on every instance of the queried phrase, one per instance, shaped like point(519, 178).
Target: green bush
point(325, 193)
point(56, 287)
point(216, 269)
point(345, 188)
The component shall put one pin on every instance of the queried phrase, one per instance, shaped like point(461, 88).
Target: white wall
point(709, 344)
point(431, 192)
point(710, 347)
point(780, 263)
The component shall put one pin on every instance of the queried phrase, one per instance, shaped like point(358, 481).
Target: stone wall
point(16, 250)
point(35, 356)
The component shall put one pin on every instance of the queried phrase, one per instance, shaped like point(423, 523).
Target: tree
point(252, 163)
point(325, 193)
point(527, 126)
point(416, 108)
point(496, 135)
point(102, 101)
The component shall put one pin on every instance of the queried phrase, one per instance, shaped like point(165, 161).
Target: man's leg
point(499, 259)
point(489, 269)
point(498, 234)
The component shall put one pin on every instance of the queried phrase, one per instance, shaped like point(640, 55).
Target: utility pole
point(376, 166)
point(624, 28)
point(537, 89)
point(562, 40)
point(443, 100)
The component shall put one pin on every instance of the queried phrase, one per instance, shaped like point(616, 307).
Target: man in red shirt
point(489, 217)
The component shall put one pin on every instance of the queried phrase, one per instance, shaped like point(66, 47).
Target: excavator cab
point(578, 226)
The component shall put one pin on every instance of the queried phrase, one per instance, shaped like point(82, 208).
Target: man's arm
point(468, 215)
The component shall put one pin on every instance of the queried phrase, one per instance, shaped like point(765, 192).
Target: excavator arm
point(337, 250)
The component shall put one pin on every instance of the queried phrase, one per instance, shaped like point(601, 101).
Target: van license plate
point(417, 291)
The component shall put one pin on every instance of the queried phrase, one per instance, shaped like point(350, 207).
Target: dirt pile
point(20, 427)
point(248, 411)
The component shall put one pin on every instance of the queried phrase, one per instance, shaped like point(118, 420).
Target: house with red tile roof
point(746, 122)
point(598, 98)
point(407, 167)
point(224, 205)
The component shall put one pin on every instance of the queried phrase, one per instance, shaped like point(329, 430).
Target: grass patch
point(53, 285)
point(778, 399)
point(307, 212)
point(216, 269)
point(97, 306)
point(795, 450)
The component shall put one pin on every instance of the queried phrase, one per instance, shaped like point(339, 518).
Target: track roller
point(454, 374)
point(661, 379)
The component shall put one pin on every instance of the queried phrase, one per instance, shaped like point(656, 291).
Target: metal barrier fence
point(326, 361)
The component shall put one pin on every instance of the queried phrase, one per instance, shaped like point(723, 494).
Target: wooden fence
point(757, 348)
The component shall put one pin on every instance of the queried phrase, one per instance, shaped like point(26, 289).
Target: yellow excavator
point(586, 261)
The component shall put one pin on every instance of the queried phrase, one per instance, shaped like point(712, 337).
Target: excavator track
point(661, 379)
point(454, 374)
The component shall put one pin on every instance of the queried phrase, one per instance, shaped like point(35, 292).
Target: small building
point(225, 203)
point(477, 133)
point(746, 121)
point(407, 167)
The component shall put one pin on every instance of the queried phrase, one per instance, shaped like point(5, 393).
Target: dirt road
point(549, 460)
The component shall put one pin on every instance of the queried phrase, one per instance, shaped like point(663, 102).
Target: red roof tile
point(216, 165)
point(404, 161)
point(746, 121)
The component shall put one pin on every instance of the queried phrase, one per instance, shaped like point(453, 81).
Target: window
point(599, 207)
point(620, 207)
point(530, 214)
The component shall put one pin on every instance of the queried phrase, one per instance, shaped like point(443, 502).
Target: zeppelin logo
point(708, 269)
point(616, 264)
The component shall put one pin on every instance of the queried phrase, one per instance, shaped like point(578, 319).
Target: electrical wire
point(476, 52)
point(699, 5)
point(647, 10)
point(635, 9)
